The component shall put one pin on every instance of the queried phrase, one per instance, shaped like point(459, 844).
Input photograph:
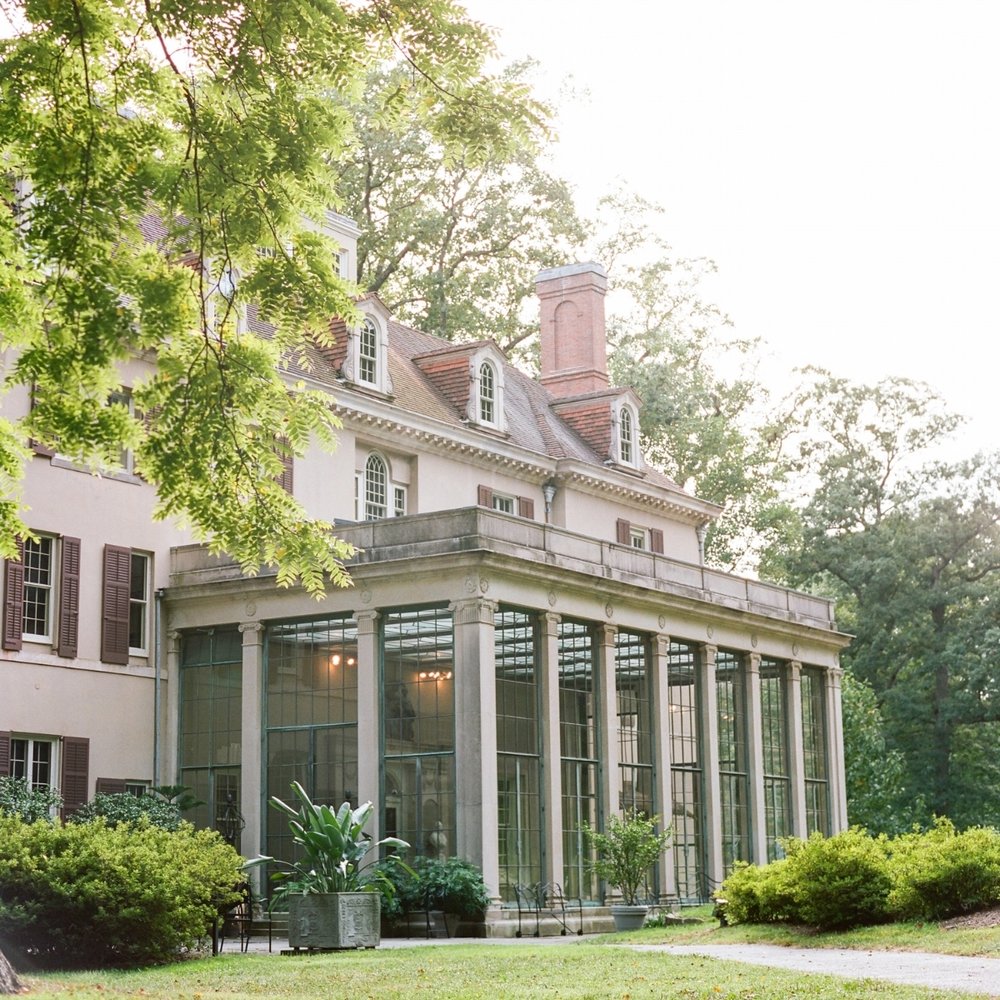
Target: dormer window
point(366, 363)
point(368, 352)
point(626, 437)
point(487, 393)
point(485, 406)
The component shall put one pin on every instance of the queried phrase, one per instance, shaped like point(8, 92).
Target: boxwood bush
point(943, 873)
point(121, 807)
point(86, 894)
point(852, 879)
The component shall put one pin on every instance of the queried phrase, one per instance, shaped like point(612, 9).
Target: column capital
point(660, 644)
point(252, 632)
point(174, 637)
point(606, 632)
point(550, 621)
point(709, 651)
point(366, 621)
point(473, 611)
point(753, 663)
point(795, 669)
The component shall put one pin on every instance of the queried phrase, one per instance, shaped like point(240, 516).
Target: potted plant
point(626, 850)
point(332, 892)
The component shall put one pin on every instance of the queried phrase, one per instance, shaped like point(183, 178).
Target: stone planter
point(334, 920)
point(628, 918)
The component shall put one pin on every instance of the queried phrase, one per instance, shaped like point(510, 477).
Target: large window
point(376, 487)
point(211, 702)
point(777, 780)
point(686, 773)
point(814, 750)
point(635, 723)
point(730, 686)
point(311, 712)
point(518, 752)
point(39, 574)
point(418, 715)
point(33, 760)
point(578, 750)
point(138, 604)
point(626, 436)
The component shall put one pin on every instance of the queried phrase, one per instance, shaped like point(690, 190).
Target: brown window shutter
point(69, 597)
point(656, 540)
point(4, 754)
point(114, 625)
point(110, 786)
point(485, 497)
point(526, 508)
point(13, 600)
point(622, 529)
point(75, 766)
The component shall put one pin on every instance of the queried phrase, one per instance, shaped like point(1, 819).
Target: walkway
point(915, 968)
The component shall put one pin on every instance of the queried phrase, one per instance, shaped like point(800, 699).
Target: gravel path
point(946, 972)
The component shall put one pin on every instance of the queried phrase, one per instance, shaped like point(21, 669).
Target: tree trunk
point(9, 983)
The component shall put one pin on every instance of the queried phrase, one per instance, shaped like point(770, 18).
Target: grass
point(469, 972)
point(913, 936)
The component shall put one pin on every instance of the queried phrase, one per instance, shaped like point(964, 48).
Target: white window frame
point(627, 436)
point(373, 509)
point(504, 503)
point(398, 500)
point(29, 763)
point(482, 396)
point(396, 494)
point(637, 537)
point(368, 352)
point(48, 589)
point(140, 602)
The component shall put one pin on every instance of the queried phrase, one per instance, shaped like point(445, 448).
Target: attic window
point(368, 353)
point(626, 437)
point(487, 393)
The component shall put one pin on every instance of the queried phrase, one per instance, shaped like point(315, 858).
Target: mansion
point(532, 639)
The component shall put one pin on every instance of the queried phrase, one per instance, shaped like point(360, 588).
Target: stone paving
point(945, 972)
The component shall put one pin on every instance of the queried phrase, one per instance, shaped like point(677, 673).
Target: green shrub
point(758, 895)
point(942, 873)
point(132, 809)
point(86, 894)
point(839, 882)
point(31, 804)
point(450, 884)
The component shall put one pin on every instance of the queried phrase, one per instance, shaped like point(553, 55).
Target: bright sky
point(840, 161)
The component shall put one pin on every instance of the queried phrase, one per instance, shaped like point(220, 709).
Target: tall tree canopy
point(223, 121)
point(451, 240)
point(911, 549)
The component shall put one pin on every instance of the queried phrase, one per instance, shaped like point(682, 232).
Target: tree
point(165, 158)
point(911, 549)
point(706, 429)
point(451, 241)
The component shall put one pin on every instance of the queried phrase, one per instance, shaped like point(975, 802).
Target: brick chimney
point(574, 346)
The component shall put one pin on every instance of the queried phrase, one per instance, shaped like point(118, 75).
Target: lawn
point(524, 971)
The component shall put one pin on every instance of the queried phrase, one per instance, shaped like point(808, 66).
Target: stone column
point(476, 737)
point(796, 752)
point(369, 714)
point(663, 790)
point(755, 762)
point(251, 739)
point(171, 729)
point(835, 751)
point(608, 750)
point(551, 748)
point(709, 725)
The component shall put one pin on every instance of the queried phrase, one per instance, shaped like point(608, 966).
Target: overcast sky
point(839, 161)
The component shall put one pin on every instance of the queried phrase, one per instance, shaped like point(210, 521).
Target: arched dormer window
point(628, 436)
point(487, 393)
point(368, 352)
point(376, 488)
point(367, 359)
point(486, 396)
